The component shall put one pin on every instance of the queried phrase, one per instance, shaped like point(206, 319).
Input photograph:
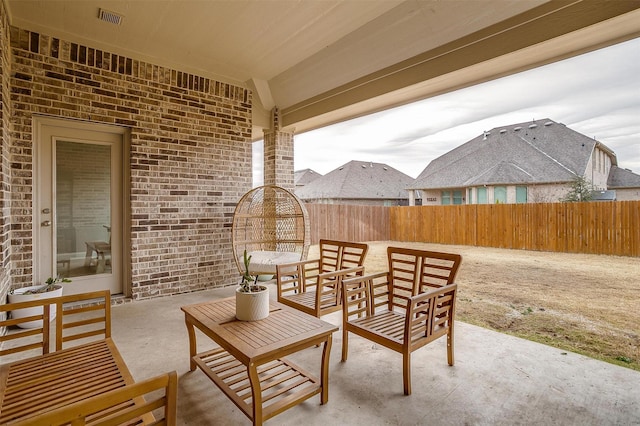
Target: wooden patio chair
point(405, 308)
point(314, 286)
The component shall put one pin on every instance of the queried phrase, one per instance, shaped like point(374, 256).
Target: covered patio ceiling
point(322, 62)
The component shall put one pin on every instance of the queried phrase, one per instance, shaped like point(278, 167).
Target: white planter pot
point(17, 296)
point(252, 306)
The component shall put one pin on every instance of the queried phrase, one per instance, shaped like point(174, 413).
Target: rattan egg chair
point(272, 225)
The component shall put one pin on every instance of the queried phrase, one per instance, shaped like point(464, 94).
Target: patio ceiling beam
point(553, 31)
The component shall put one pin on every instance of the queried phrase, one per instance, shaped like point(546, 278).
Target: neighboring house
point(530, 162)
point(359, 182)
point(303, 177)
point(625, 183)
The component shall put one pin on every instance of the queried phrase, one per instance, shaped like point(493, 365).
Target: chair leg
point(450, 346)
point(345, 343)
point(406, 372)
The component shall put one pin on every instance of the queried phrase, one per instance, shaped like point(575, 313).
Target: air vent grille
point(111, 17)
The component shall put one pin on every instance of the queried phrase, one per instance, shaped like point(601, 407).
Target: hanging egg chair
point(272, 225)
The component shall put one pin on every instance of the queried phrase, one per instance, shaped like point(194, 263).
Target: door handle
point(46, 223)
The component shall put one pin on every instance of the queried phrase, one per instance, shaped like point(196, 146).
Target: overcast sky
point(596, 94)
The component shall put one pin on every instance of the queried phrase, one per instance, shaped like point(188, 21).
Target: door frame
point(125, 215)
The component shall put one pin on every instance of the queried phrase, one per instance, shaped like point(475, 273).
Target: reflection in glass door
point(83, 209)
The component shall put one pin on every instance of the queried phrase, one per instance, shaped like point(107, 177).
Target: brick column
point(278, 154)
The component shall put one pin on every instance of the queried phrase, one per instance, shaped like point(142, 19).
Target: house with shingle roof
point(303, 177)
point(529, 162)
point(625, 183)
point(359, 182)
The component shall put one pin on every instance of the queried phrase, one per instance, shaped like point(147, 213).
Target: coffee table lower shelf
point(282, 383)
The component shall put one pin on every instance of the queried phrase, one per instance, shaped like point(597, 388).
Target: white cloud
point(597, 94)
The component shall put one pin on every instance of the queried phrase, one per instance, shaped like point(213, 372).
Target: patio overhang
point(326, 62)
point(540, 36)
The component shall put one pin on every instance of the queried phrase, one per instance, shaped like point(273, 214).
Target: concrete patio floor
point(496, 380)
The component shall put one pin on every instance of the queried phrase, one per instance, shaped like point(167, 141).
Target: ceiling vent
point(110, 17)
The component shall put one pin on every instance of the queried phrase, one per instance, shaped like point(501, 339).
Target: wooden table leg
point(324, 373)
point(192, 344)
point(256, 393)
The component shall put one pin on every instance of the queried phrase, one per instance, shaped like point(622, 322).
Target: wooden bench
point(80, 368)
point(314, 286)
point(405, 308)
point(115, 407)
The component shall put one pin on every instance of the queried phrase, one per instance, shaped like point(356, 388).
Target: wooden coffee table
point(249, 366)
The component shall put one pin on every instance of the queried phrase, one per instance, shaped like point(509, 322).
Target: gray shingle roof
point(303, 177)
point(358, 180)
point(622, 178)
point(541, 151)
point(603, 195)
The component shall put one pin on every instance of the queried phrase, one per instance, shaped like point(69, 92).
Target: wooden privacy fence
point(348, 222)
point(596, 227)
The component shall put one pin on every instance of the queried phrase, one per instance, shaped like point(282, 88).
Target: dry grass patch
point(587, 304)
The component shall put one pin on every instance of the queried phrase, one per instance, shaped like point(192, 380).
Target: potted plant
point(252, 299)
point(50, 289)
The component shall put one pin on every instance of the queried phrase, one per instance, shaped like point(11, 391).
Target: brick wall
point(5, 223)
point(5, 194)
point(190, 156)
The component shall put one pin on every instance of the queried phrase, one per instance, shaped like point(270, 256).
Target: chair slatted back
point(25, 339)
point(85, 315)
point(414, 271)
point(336, 255)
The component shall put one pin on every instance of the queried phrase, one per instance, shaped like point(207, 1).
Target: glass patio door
point(79, 199)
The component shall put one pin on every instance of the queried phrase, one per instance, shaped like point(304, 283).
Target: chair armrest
point(429, 315)
point(360, 294)
point(380, 291)
point(297, 276)
point(300, 263)
point(329, 285)
point(342, 274)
